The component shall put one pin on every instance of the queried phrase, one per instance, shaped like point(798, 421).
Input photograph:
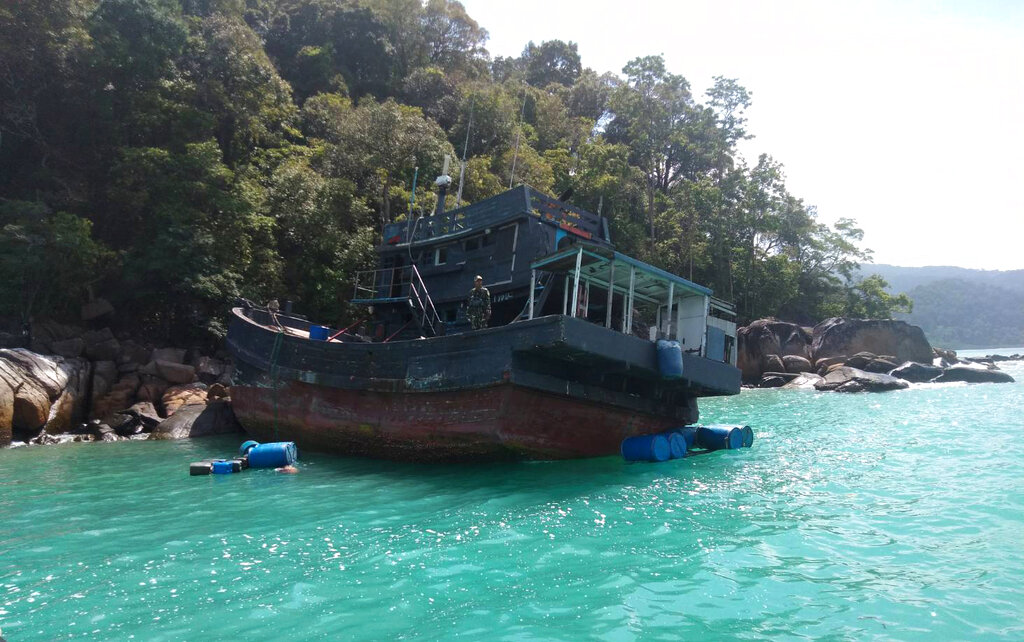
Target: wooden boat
point(560, 373)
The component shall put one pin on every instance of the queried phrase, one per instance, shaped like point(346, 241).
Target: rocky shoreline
point(75, 385)
point(854, 355)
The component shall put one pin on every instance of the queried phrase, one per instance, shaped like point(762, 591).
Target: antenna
point(519, 131)
point(442, 183)
point(465, 147)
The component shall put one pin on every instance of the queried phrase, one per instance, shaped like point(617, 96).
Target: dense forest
point(172, 155)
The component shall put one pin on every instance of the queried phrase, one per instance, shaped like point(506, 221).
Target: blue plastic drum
point(646, 448)
point(689, 433)
point(748, 436)
point(670, 359)
point(676, 444)
point(719, 437)
point(273, 455)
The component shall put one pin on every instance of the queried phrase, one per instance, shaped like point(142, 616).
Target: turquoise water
point(889, 516)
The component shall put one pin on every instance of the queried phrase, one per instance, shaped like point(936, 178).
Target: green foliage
point(43, 256)
point(175, 154)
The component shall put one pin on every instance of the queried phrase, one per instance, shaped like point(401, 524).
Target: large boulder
point(198, 420)
point(6, 413)
point(973, 374)
point(175, 372)
point(172, 355)
point(899, 339)
point(100, 345)
point(847, 379)
point(73, 347)
point(803, 381)
point(185, 395)
point(797, 364)
point(208, 369)
point(768, 337)
point(96, 308)
point(44, 389)
point(916, 372)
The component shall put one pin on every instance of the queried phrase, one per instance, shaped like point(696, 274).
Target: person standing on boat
point(478, 304)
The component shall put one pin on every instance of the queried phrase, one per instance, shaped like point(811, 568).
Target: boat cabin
point(538, 256)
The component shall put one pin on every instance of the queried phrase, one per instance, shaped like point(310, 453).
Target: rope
point(275, 370)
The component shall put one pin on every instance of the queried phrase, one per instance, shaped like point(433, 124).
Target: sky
point(907, 116)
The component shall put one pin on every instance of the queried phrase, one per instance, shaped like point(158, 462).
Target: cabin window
point(472, 244)
point(440, 256)
point(450, 314)
point(488, 240)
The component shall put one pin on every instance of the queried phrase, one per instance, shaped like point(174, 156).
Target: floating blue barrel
point(748, 436)
point(676, 444)
point(319, 332)
point(688, 433)
point(642, 448)
point(223, 467)
point(273, 455)
point(719, 437)
point(246, 446)
point(670, 359)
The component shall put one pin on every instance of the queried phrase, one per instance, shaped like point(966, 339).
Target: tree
point(553, 61)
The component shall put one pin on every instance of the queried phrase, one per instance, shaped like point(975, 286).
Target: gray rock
point(796, 364)
point(213, 418)
point(176, 372)
point(772, 363)
point(916, 372)
point(96, 308)
point(878, 336)
point(973, 374)
point(170, 355)
point(768, 337)
point(771, 381)
point(68, 347)
point(209, 370)
point(867, 381)
point(803, 381)
point(879, 365)
point(147, 414)
point(860, 360)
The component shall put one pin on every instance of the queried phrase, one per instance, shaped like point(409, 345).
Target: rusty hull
point(504, 421)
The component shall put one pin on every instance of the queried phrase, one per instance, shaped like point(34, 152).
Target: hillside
point(959, 307)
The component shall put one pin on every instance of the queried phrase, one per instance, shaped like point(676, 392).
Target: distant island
point(958, 307)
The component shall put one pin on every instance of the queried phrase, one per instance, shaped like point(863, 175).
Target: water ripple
point(894, 516)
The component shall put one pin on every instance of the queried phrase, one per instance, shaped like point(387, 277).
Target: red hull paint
point(499, 422)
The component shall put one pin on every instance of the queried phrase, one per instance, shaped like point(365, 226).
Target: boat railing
point(398, 284)
point(420, 298)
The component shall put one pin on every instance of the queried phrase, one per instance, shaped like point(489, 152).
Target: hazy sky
point(906, 116)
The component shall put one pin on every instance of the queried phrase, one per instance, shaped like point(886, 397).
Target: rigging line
point(275, 352)
point(519, 131)
point(465, 148)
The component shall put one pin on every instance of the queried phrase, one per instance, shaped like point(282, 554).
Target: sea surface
point(869, 516)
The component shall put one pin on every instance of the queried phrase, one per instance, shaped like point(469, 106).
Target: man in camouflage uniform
point(478, 304)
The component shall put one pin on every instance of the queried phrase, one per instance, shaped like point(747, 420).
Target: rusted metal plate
point(499, 422)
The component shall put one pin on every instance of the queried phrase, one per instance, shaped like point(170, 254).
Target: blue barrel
point(319, 332)
point(676, 444)
point(719, 437)
point(646, 448)
point(748, 436)
point(273, 455)
point(246, 446)
point(222, 467)
point(688, 433)
point(670, 359)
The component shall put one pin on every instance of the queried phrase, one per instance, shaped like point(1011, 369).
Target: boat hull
point(548, 388)
point(504, 421)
